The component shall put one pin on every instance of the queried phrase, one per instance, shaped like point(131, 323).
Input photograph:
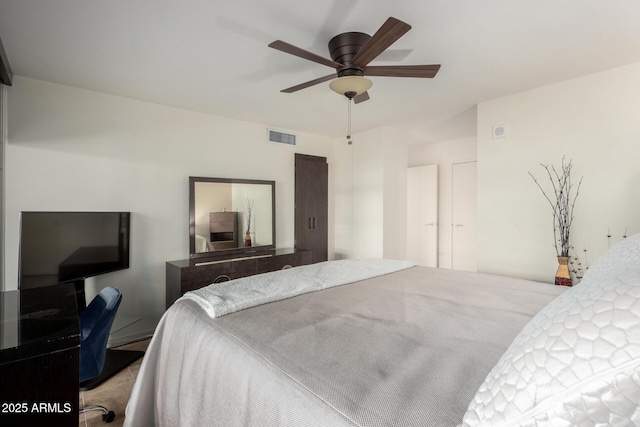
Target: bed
point(388, 343)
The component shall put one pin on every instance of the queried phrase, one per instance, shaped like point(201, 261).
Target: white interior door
point(463, 216)
point(422, 215)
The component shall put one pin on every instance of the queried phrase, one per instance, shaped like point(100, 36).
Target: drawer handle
point(221, 278)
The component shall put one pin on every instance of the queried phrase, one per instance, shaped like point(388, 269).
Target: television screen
point(58, 247)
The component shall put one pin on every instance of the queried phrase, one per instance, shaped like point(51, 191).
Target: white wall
point(593, 121)
point(371, 195)
point(72, 149)
point(343, 176)
point(368, 194)
point(395, 153)
point(444, 154)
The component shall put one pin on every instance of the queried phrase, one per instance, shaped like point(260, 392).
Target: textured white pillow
point(625, 255)
point(577, 362)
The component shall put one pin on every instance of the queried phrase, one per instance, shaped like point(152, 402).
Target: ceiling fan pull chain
point(349, 121)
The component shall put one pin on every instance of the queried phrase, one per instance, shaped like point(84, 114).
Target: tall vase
point(563, 277)
point(247, 239)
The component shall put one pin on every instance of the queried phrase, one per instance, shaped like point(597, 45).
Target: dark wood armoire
point(311, 205)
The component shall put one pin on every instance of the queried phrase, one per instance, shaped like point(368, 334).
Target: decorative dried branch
point(577, 266)
point(562, 203)
point(248, 205)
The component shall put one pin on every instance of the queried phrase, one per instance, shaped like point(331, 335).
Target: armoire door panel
point(311, 205)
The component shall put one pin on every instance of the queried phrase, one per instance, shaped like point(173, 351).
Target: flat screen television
point(63, 247)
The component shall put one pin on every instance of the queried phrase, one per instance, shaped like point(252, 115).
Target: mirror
point(228, 216)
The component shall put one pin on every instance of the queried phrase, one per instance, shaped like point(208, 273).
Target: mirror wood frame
point(225, 253)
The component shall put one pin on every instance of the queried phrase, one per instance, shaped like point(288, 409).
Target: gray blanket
point(408, 348)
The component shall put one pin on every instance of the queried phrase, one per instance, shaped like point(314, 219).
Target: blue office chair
point(95, 324)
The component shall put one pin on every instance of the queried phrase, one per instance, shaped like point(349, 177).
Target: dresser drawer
point(184, 276)
point(284, 261)
point(203, 275)
point(222, 227)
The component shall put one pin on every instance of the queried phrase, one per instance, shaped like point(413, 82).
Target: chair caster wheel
point(109, 417)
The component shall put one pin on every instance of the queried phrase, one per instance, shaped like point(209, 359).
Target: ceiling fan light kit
point(350, 86)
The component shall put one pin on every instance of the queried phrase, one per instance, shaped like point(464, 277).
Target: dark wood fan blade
point(309, 83)
point(424, 71)
point(364, 96)
point(305, 54)
point(386, 35)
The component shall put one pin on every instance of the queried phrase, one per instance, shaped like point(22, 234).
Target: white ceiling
point(212, 56)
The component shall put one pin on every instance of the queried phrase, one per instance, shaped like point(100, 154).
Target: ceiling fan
point(350, 55)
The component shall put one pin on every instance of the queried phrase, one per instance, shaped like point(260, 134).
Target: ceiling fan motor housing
point(343, 48)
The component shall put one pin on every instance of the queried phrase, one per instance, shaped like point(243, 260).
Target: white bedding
point(577, 363)
point(232, 296)
point(409, 347)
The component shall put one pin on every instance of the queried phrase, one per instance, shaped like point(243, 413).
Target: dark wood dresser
point(187, 275)
point(223, 228)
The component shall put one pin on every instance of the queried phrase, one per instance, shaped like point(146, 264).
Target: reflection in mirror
point(230, 215)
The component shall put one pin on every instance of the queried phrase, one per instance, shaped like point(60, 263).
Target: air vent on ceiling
point(281, 137)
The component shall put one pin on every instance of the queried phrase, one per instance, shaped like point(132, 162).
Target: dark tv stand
point(39, 355)
point(114, 362)
point(81, 300)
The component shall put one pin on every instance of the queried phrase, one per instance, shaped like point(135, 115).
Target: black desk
point(39, 356)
